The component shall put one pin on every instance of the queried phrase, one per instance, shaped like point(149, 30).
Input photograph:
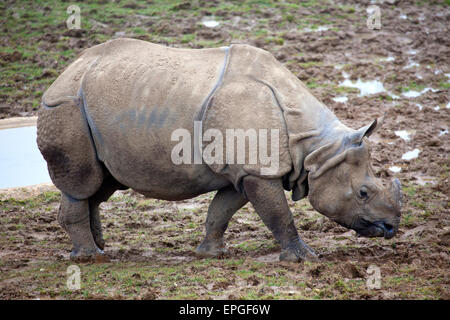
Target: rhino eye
point(363, 194)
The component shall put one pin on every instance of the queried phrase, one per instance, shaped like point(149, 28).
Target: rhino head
point(343, 187)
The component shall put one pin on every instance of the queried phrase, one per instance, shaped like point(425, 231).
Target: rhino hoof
point(100, 243)
point(97, 256)
point(211, 250)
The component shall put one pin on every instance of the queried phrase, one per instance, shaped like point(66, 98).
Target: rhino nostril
point(389, 230)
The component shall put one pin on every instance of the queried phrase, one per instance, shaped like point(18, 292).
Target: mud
point(151, 242)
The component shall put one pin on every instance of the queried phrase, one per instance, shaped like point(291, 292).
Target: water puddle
point(21, 162)
point(395, 169)
point(411, 155)
point(210, 22)
point(415, 94)
point(342, 99)
point(405, 134)
point(364, 87)
point(388, 59)
point(393, 96)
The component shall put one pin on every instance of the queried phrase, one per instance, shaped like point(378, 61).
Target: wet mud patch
point(151, 244)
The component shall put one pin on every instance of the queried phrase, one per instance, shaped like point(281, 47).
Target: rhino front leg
point(74, 218)
point(268, 199)
point(224, 205)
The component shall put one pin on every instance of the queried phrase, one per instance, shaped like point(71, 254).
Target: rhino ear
point(368, 130)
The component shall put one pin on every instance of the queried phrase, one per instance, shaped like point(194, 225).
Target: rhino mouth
point(368, 228)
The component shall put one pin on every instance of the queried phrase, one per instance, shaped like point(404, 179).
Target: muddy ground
point(151, 242)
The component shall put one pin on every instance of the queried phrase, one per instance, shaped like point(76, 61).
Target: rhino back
point(136, 94)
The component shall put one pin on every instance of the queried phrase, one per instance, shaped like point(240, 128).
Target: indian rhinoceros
point(108, 123)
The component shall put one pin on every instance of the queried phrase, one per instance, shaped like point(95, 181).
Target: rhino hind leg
point(268, 199)
point(109, 186)
point(224, 205)
point(65, 143)
point(73, 216)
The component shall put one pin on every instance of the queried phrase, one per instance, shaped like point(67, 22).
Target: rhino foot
point(98, 238)
point(97, 256)
point(211, 249)
point(299, 251)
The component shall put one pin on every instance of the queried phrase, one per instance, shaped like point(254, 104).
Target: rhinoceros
point(107, 123)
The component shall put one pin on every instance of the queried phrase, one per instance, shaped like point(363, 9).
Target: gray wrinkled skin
point(106, 124)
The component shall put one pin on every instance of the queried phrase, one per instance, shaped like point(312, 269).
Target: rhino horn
point(396, 194)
